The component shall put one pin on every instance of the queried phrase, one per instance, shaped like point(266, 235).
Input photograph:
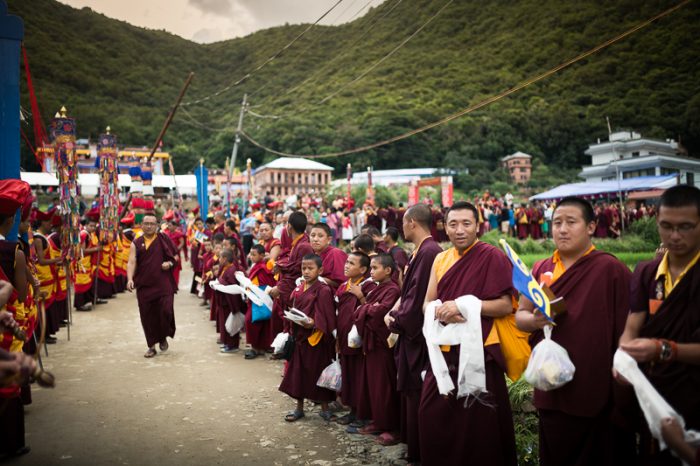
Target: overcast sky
point(215, 20)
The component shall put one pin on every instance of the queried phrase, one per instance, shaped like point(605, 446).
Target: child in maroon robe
point(314, 347)
point(228, 303)
point(332, 257)
point(380, 367)
point(351, 359)
point(258, 334)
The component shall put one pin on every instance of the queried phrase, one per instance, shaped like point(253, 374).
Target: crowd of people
point(423, 337)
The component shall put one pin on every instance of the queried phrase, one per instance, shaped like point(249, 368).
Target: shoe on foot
point(50, 340)
point(163, 345)
point(150, 353)
point(229, 349)
point(101, 301)
point(251, 354)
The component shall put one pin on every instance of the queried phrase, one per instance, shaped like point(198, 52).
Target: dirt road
point(189, 405)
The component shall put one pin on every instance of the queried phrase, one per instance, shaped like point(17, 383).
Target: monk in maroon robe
point(314, 347)
point(289, 268)
point(353, 391)
point(662, 332)
point(380, 367)
point(178, 239)
point(406, 320)
point(258, 334)
point(149, 272)
point(228, 304)
point(576, 420)
point(391, 238)
point(333, 258)
point(468, 430)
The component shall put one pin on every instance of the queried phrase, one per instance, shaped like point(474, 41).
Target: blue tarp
point(604, 188)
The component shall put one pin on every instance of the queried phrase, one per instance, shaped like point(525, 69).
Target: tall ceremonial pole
point(63, 136)
point(349, 195)
point(228, 189)
point(171, 114)
point(109, 196)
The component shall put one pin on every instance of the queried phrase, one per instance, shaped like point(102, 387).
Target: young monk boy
point(258, 334)
point(332, 257)
point(351, 360)
point(380, 367)
point(228, 303)
point(314, 347)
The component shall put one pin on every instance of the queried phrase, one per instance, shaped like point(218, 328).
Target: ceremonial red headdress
point(195, 210)
point(128, 219)
point(43, 216)
point(13, 194)
point(138, 203)
point(169, 215)
point(93, 214)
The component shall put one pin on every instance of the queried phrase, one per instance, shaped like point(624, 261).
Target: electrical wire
point(313, 77)
point(480, 104)
point(266, 62)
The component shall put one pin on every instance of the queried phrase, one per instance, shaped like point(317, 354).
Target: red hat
point(195, 210)
point(56, 220)
point(43, 216)
point(128, 219)
point(93, 214)
point(138, 203)
point(13, 194)
point(169, 215)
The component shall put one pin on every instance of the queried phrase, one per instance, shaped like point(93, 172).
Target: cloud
point(219, 7)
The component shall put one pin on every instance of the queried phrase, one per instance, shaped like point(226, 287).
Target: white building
point(288, 175)
point(628, 155)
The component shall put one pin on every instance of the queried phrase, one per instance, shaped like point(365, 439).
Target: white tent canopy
point(89, 182)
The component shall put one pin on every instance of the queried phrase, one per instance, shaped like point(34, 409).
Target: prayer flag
point(525, 283)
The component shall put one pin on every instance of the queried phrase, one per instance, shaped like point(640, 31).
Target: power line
point(303, 52)
point(263, 64)
point(359, 77)
point(481, 104)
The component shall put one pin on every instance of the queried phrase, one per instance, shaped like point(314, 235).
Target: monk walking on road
point(151, 259)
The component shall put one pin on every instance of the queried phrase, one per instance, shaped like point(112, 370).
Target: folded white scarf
point(653, 405)
point(471, 376)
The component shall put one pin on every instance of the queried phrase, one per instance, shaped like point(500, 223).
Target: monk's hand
point(449, 313)
point(672, 432)
point(619, 378)
point(641, 349)
point(130, 285)
point(356, 291)
point(7, 322)
point(274, 292)
point(308, 323)
point(166, 265)
point(388, 319)
point(539, 320)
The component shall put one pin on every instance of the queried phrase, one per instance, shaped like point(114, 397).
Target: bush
point(646, 228)
point(628, 243)
point(525, 422)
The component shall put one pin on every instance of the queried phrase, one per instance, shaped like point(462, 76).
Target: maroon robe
point(381, 248)
point(482, 431)
point(290, 270)
point(575, 425)
point(410, 351)
point(308, 361)
point(259, 334)
point(380, 367)
point(351, 359)
point(227, 304)
point(334, 265)
point(155, 288)
point(676, 319)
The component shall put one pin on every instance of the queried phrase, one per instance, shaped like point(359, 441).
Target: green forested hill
point(108, 72)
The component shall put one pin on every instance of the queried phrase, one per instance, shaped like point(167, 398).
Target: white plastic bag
point(235, 322)
point(279, 342)
point(550, 366)
point(330, 377)
point(354, 338)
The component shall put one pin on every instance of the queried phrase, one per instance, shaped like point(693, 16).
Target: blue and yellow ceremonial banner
point(525, 283)
point(202, 175)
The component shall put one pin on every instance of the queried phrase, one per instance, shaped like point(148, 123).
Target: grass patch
point(630, 259)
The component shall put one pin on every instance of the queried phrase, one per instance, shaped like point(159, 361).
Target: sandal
point(294, 416)
point(251, 354)
point(327, 416)
point(369, 429)
point(164, 345)
point(150, 353)
point(358, 423)
point(387, 439)
point(346, 419)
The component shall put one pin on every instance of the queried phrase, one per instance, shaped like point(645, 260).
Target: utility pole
point(237, 139)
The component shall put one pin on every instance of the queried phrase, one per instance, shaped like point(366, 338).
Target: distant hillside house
point(519, 166)
point(287, 175)
point(628, 155)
